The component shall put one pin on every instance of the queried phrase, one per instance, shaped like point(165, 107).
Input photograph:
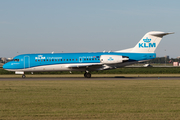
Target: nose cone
point(6, 66)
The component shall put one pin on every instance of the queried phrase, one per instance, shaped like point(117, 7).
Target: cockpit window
point(17, 60)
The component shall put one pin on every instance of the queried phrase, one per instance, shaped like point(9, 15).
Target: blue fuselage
point(25, 61)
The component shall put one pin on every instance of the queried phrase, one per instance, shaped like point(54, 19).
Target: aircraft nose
point(6, 66)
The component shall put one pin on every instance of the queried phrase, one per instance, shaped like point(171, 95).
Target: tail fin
point(148, 43)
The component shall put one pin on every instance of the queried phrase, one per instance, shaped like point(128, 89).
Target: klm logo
point(40, 57)
point(110, 59)
point(147, 44)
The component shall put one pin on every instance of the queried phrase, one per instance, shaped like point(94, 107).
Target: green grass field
point(90, 99)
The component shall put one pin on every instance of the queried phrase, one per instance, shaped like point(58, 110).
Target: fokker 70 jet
point(87, 62)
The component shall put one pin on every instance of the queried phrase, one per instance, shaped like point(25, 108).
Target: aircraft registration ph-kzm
point(144, 50)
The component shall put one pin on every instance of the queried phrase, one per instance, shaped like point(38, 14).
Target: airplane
point(87, 62)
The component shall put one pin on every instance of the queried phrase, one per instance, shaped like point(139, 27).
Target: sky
point(45, 26)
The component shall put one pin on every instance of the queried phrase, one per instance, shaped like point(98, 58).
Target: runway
point(94, 76)
point(89, 79)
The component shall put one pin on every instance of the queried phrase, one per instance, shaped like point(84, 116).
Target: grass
point(90, 99)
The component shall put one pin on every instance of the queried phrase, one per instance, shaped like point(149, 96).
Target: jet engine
point(113, 59)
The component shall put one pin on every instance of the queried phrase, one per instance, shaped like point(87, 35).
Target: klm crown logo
point(147, 40)
point(110, 59)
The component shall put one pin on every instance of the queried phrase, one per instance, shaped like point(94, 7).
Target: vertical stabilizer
point(149, 42)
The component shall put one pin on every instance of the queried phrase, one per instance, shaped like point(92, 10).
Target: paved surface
point(116, 78)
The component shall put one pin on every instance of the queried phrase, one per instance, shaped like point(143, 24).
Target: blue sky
point(40, 26)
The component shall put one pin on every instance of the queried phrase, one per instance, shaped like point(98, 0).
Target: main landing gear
point(87, 75)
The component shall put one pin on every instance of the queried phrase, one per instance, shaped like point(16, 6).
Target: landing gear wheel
point(23, 76)
point(87, 75)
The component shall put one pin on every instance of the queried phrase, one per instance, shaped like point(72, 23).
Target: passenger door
point(26, 62)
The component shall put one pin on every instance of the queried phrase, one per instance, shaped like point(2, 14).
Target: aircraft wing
point(91, 66)
point(84, 65)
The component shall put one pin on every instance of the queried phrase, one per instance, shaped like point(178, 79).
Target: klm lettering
point(147, 45)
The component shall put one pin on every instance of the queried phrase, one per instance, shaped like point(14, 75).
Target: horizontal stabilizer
point(161, 34)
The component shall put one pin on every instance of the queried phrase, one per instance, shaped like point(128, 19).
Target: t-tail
point(148, 43)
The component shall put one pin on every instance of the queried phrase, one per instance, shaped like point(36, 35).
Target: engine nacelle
point(113, 59)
